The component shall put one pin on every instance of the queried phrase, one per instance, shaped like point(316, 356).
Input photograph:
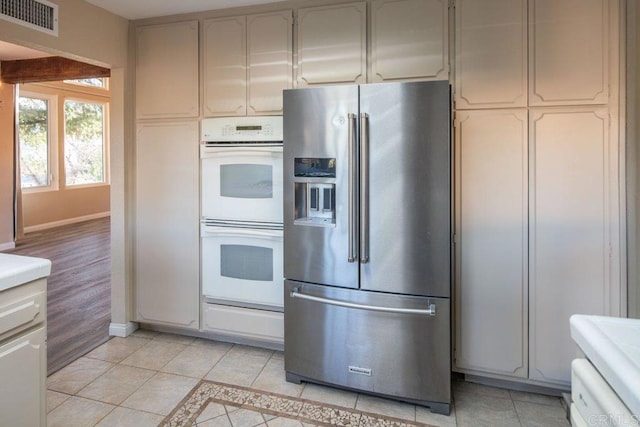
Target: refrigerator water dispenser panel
point(315, 191)
point(315, 204)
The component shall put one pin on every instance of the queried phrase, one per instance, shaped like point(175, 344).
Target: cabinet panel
point(409, 39)
point(248, 323)
point(572, 230)
point(269, 55)
point(491, 53)
point(569, 47)
point(332, 44)
point(167, 70)
point(491, 189)
point(166, 238)
point(23, 369)
point(225, 66)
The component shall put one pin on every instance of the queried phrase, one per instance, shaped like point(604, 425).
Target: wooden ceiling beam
point(52, 68)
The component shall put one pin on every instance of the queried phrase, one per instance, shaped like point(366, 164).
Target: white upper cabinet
point(491, 247)
point(247, 62)
point(574, 266)
point(491, 54)
point(409, 40)
point(332, 44)
point(225, 67)
point(569, 45)
point(270, 60)
point(167, 70)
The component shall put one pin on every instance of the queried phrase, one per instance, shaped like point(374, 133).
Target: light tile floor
point(137, 381)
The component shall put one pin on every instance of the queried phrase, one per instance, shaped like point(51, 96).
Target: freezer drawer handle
point(431, 311)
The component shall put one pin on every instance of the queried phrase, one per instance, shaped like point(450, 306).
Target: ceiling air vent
point(39, 15)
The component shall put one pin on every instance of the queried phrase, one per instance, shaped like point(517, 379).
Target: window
point(37, 138)
point(84, 142)
point(64, 137)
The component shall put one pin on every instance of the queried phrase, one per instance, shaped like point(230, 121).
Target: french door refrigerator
point(367, 239)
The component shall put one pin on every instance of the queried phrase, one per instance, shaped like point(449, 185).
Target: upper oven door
point(242, 183)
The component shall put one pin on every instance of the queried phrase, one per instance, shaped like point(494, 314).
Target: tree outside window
point(33, 124)
point(84, 151)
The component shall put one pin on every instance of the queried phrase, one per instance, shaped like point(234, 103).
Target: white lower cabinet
point(167, 278)
point(23, 354)
point(537, 237)
point(23, 369)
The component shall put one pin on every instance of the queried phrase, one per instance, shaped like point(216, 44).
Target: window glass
point(84, 149)
point(33, 123)
point(95, 82)
point(246, 181)
point(246, 262)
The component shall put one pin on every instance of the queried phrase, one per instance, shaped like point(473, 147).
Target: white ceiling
point(139, 9)
point(11, 52)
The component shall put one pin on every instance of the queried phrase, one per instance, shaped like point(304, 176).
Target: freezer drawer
point(392, 346)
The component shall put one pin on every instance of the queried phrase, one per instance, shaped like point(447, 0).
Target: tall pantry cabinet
point(537, 182)
point(166, 245)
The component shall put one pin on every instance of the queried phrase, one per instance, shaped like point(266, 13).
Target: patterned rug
point(210, 401)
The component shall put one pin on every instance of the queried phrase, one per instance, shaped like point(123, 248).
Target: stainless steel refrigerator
point(367, 239)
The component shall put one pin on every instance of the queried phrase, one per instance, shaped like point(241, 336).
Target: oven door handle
point(228, 231)
point(239, 151)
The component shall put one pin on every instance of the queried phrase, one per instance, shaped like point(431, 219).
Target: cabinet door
point(269, 55)
point(166, 238)
point(332, 44)
point(568, 58)
point(574, 266)
point(167, 70)
point(491, 53)
point(491, 230)
point(409, 40)
point(225, 67)
point(23, 369)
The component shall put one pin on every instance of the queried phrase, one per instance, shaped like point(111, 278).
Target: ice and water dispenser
point(315, 191)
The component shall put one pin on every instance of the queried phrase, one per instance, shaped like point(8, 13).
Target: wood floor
point(79, 288)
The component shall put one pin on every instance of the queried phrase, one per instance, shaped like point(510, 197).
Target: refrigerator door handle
point(353, 189)
point(364, 188)
point(431, 311)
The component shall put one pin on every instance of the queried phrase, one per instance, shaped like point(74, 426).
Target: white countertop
point(16, 270)
point(612, 344)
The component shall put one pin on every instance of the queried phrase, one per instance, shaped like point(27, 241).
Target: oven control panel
point(242, 129)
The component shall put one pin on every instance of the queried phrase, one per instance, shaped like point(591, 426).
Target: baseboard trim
point(7, 246)
point(68, 221)
point(122, 330)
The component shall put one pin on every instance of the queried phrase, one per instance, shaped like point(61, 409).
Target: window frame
point(52, 140)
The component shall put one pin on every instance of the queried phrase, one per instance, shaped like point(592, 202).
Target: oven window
point(246, 181)
point(246, 262)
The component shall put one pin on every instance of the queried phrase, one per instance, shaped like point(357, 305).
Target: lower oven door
point(242, 267)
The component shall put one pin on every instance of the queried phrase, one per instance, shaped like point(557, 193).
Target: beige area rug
point(270, 405)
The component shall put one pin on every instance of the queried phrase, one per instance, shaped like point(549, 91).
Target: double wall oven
point(241, 212)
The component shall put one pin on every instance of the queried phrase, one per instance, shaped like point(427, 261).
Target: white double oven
point(241, 212)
